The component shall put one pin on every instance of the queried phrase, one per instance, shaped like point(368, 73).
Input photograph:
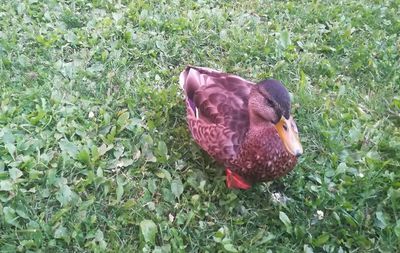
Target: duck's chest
point(263, 156)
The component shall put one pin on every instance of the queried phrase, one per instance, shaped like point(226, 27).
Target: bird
point(243, 125)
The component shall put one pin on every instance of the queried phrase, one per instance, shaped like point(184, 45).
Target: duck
point(246, 126)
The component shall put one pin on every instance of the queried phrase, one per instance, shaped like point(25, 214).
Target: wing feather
point(222, 103)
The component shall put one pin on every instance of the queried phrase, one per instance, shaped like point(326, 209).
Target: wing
point(217, 107)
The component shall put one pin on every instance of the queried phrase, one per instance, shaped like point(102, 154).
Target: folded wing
point(217, 109)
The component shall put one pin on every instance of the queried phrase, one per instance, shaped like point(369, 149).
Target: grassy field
point(95, 154)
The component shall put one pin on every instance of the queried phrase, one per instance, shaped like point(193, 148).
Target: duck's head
point(269, 103)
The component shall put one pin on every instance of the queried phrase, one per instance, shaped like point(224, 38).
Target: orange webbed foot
point(235, 181)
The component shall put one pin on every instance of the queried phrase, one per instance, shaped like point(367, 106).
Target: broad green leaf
point(35, 117)
point(147, 148)
point(396, 101)
point(342, 167)
point(68, 147)
point(219, 235)
point(99, 237)
point(124, 162)
point(149, 231)
point(285, 219)
point(15, 173)
point(380, 220)
point(11, 148)
point(152, 186)
point(8, 136)
point(118, 151)
point(84, 156)
point(120, 192)
point(284, 39)
point(355, 134)
point(307, 249)
point(10, 217)
point(163, 249)
point(397, 229)
point(177, 187)
point(6, 185)
point(230, 248)
point(168, 195)
point(149, 156)
point(163, 173)
point(321, 240)
point(104, 148)
point(51, 176)
point(70, 37)
point(151, 205)
point(162, 150)
point(60, 232)
point(120, 188)
point(21, 211)
point(64, 194)
point(123, 120)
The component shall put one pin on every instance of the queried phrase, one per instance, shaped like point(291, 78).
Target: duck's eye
point(285, 126)
point(294, 127)
point(270, 102)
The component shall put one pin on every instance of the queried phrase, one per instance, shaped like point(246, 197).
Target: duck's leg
point(235, 181)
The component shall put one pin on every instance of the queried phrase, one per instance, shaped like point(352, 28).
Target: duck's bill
point(287, 130)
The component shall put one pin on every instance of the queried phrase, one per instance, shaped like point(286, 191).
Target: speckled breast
point(263, 157)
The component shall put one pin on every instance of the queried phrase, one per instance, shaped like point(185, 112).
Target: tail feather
point(182, 77)
point(190, 81)
point(193, 77)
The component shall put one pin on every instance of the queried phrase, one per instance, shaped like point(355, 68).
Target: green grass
point(95, 154)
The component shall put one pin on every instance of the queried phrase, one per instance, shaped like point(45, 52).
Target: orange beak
point(289, 135)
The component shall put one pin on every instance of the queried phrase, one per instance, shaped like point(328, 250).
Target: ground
point(95, 154)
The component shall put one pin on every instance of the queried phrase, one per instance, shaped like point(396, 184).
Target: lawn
point(95, 154)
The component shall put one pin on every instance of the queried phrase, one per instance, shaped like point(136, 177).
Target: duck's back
point(217, 110)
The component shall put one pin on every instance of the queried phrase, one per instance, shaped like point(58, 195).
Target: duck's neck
point(256, 121)
point(257, 109)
